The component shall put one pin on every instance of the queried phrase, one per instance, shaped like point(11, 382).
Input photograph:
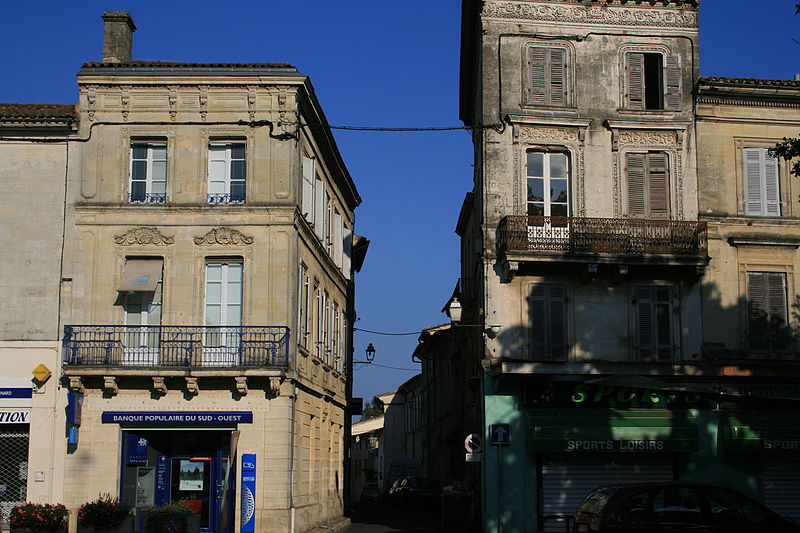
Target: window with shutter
point(654, 323)
point(648, 184)
point(547, 83)
point(308, 189)
point(761, 183)
point(548, 316)
point(653, 81)
point(767, 312)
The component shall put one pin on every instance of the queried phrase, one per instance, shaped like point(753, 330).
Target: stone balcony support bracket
point(191, 386)
point(110, 385)
point(160, 385)
point(241, 385)
point(275, 385)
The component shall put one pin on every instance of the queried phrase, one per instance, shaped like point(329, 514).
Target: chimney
point(117, 36)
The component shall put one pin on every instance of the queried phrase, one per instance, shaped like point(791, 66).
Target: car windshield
point(594, 503)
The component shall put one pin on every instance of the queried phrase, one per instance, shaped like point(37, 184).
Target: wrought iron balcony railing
point(176, 346)
point(623, 236)
point(147, 198)
point(214, 199)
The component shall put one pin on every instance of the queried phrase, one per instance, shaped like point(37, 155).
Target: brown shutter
point(635, 74)
point(776, 293)
point(636, 192)
point(663, 323)
point(757, 310)
point(558, 322)
point(645, 339)
point(557, 85)
point(658, 184)
point(673, 83)
point(538, 322)
point(537, 89)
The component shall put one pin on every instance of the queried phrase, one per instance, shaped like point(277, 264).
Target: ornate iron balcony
point(622, 236)
point(147, 198)
point(176, 346)
point(214, 199)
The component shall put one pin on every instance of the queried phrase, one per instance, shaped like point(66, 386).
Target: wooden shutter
point(753, 194)
point(776, 292)
point(537, 88)
point(557, 86)
point(673, 83)
point(308, 189)
point(319, 209)
point(771, 187)
point(635, 164)
point(757, 310)
point(548, 316)
point(645, 324)
point(657, 184)
point(347, 254)
point(635, 73)
point(337, 239)
point(767, 309)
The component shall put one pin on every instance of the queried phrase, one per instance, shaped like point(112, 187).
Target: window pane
point(558, 190)
point(237, 189)
point(214, 293)
point(234, 293)
point(535, 210)
point(237, 170)
point(234, 315)
point(140, 151)
point(159, 170)
point(535, 190)
point(139, 170)
point(558, 210)
point(237, 151)
point(535, 164)
point(138, 188)
point(212, 315)
point(235, 272)
point(216, 171)
point(214, 272)
point(159, 152)
point(558, 165)
point(159, 187)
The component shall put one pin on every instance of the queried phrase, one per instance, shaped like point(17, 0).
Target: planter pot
point(126, 526)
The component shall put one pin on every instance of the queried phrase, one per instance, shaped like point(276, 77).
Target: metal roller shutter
point(13, 467)
point(566, 479)
point(780, 486)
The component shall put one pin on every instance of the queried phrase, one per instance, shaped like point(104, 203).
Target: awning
point(611, 430)
point(141, 275)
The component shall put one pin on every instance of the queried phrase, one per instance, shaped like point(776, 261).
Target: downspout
point(291, 459)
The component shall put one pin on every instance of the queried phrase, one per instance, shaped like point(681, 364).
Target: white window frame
point(222, 347)
point(228, 182)
point(142, 347)
point(304, 286)
point(149, 196)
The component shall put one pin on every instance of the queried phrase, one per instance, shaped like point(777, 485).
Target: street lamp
point(370, 353)
point(454, 309)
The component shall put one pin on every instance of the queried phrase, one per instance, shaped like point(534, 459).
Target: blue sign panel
point(15, 392)
point(193, 418)
point(500, 434)
point(248, 493)
point(162, 481)
point(74, 408)
point(136, 447)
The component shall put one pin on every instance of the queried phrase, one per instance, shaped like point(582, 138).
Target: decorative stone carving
point(173, 102)
point(224, 236)
point(251, 102)
point(143, 236)
point(75, 384)
point(203, 103)
point(275, 385)
point(192, 387)
point(241, 385)
point(647, 138)
point(125, 100)
point(110, 385)
point(615, 15)
point(558, 135)
point(159, 385)
point(91, 100)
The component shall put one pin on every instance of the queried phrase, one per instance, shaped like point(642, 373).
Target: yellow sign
point(41, 373)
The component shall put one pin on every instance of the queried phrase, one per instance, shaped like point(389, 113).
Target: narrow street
point(382, 518)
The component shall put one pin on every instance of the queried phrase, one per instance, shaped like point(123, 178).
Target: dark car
point(675, 506)
point(418, 490)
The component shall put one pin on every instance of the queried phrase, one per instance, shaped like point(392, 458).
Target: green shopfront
point(569, 437)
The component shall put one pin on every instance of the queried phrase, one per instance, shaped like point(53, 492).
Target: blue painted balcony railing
point(147, 198)
point(181, 346)
point(214, 199)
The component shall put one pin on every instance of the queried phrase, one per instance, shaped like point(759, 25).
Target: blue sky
point(372, 63)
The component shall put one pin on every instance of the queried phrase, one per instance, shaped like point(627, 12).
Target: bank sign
point(178, 418)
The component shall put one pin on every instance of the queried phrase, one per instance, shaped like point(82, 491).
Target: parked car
point(675, 506)
point(370, 494)
point(418, 491)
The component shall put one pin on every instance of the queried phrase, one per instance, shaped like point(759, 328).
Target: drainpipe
point(291, 458)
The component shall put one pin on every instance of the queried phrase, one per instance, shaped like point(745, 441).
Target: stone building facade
point(206, 291)
point(630, 301)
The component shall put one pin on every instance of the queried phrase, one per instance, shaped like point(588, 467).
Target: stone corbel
point(681, 135)
point(275, 385)
point(191, 386)
point(615, 140)
point(75, 384)
point(160, 385)
point(241, 385)
point(110, 385)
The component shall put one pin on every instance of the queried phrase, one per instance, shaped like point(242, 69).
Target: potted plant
point(105, 514)
point(175, 517)
point(38, 517)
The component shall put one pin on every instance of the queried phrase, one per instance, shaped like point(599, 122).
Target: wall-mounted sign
point(178, 417)
point(191, 475)
point(162, 481)
point(15, 416)
point(16, 393)
point(136, 446)
point(145, 486)
point(41, 373)
point(248, 493)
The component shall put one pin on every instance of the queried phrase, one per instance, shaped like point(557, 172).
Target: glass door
point(194, 483)
point(548, 196)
